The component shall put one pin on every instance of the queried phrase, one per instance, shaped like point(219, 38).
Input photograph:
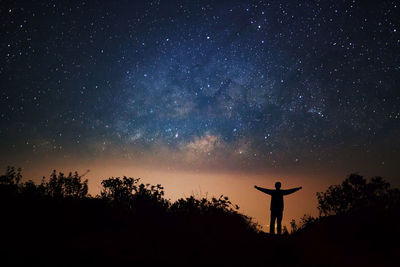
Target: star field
point(250, 84)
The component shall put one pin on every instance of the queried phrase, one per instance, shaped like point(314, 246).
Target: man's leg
point(279, 216)
point(272, 223)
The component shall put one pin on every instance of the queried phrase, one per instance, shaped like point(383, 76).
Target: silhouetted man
point(277, 204)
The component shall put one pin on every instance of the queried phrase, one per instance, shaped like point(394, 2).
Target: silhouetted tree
point(61, 186)
point(30, 189)
point(357, 193)
point(10, 181)
point(117, 189)
point(11, 177)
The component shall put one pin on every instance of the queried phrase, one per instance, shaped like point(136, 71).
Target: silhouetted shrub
point(306, 222)
point(191, 205)
point(143, 198)
point(218, 213)
point(293, 226)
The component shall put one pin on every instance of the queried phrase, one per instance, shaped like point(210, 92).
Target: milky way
point(255, 84)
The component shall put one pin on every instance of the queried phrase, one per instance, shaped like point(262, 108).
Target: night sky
point(233, 87)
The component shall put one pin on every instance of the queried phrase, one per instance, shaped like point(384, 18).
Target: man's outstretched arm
point(264, 190)
point(290, 191)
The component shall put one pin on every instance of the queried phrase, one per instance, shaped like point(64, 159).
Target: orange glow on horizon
point(239, 187)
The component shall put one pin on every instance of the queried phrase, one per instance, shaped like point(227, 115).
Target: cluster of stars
point(268, 81)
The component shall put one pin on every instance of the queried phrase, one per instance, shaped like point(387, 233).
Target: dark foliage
point(56, 221)
point(127, 215)
point(61, 186)
point(9, 182)
point(356, 193)
point(11, 177)
point(358, 223)
point(58, 186)
point(137, 197)
point(120, 190)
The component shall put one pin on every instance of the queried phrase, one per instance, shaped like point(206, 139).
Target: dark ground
point(57, 223)
point(91, 232)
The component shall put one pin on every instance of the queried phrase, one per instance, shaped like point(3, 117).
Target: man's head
point(278, 185)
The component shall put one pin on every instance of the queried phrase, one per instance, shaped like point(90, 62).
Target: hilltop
point(57, 222)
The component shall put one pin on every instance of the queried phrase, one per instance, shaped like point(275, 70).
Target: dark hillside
point(56, 222)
